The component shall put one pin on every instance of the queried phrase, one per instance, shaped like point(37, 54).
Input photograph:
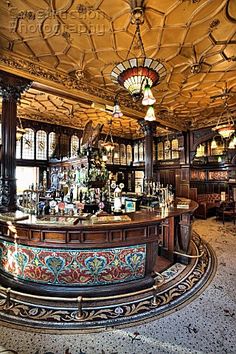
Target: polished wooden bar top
point(138, 218)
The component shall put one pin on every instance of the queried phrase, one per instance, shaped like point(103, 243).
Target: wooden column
point(11, 87)
point(149, 129)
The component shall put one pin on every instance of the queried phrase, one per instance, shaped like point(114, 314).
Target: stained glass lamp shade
point(134, 74)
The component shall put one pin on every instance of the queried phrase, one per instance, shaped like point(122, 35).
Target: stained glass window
point(51, 144)
point(160, 151)
point(175, 147)
point(167, 150)
point(129, 154)
point(18, 149)
point(122, 154)
point(154, 151)
point(28, 145)
point(64, 145)
point(74, 146)
point(141, 152)
point(136, 152)
point(116, 154)
point(41, 145)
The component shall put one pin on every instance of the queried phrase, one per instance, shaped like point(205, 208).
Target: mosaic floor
point(205, 325)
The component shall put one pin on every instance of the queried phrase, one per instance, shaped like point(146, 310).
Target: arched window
point(160, 151)
point(129, 155)
point(18, 149)
point(28, 145)
point(122, 154)
point(64, 146)
point(154, 151)
point(175, 148)
point(167, 150)
point(141, 152)
point(116, 154)
point(51, 144)
point(74, 146)
point(136, 152)
point(41, 145)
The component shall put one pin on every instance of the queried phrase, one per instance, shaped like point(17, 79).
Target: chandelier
point(116, 109)
point(139, 75)
point(227, 128)
point(108, 144)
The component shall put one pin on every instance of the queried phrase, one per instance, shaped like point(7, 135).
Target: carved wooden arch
point(203, 139)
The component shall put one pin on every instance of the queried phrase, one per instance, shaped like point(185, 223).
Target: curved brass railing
point(189, 255)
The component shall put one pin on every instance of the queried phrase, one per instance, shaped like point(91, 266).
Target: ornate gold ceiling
point(41, 106)
point(69, 47)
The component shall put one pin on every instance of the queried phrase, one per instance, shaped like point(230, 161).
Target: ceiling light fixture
point(214, 144)
point(150, 115)
point(148, 98)
point(139, 74)
point(232, 143)
point(227, 128)
point(108, 144)
point(116, 109)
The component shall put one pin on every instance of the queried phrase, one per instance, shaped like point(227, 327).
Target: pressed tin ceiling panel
point(83, 40)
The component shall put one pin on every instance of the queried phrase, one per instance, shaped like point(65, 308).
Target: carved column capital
point(11, 86)
point(149, 128)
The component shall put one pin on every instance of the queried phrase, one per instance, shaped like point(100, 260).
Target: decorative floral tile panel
point(76, 267)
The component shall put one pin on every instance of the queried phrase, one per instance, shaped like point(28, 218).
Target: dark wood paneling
point(35, 235)
point(116, 235)
point(74, 237)
point(167, 177)
point(55, 237)
point(95, 237)
point(135, 233)
point(205, 187)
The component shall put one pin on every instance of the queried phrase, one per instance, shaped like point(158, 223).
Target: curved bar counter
point(63, 259)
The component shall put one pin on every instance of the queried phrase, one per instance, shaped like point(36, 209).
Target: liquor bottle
point(86, 198)
point(47, 208)
point(71, 195)
point(62, 195)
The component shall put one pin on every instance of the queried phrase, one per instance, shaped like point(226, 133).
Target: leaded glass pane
point(160, 151)
point(41, 145)
point(74, 146)
point(28, 145)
